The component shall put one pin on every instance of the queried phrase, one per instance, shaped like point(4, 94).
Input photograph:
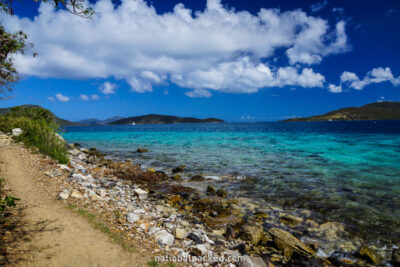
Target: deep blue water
point(349, 171)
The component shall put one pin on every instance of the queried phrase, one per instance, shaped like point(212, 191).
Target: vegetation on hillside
point(162, 119)
point(373, 111)
point(40, 130)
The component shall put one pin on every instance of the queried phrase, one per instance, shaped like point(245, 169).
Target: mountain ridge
point(162, 119)
point(386, 110)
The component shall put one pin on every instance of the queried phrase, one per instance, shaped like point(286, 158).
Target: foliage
point(14, 43)
point(9, 44)
point(8, 201)
point(39, 131)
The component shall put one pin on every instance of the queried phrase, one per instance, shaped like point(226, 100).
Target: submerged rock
point(178, 169)
point(197, 178)
point(222, 193)
point(223, 221)
point(210, 190)
point(142, 150)
point(290, 220)
point(289, 244)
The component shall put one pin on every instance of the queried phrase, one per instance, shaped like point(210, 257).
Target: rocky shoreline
point(179, 223)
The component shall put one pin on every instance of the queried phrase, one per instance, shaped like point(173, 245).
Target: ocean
point(342, 171)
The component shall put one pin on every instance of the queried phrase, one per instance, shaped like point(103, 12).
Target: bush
point(39, 131)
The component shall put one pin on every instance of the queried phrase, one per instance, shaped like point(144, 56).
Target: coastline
point(169, 217)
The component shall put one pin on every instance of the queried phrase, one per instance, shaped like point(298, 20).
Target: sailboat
point(133, 123)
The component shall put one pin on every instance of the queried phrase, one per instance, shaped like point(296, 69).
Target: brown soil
point(50, 234)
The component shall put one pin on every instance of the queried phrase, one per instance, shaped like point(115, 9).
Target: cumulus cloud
point(376, 75)
point(84, 97)
point(108, 88)
point(335, 88)
point(62, 98)
point(318, 6)
point(135, 43)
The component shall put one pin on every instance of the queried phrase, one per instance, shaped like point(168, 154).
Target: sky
point(236, 60)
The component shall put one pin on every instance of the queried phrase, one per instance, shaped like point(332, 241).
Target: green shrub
point(39, 131)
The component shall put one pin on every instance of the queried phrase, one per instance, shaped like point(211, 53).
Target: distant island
point(374, 111)
point(117, 120)
point(99, 122)
point(162, 119)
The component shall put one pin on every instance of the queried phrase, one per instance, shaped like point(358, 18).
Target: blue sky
point(240, 61)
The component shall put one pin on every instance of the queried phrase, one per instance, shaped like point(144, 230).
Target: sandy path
point(55, 235)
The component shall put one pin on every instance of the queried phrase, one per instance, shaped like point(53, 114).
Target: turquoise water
point(346, 171)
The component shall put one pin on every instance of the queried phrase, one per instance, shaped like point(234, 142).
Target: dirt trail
point(55, 235)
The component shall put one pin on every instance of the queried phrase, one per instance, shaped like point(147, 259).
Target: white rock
point(64, 195)
point(140, 193)
point(202, 235)
point(200, 249)
point(132, 217)
point(164, 238)
point(139, 211)
point(60, 137)
point(74, 152)
point(16, 131)
point(76, 194)
point(64, 167)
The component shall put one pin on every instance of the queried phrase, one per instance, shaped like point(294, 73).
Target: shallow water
point(346, 171)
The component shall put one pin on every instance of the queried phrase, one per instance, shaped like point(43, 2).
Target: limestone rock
point(76, 194)
point(64, 195)
point(252, 233)
point(288, 243)
point(132, 217)
point(164, 238)
point(16, 131)
point(199, 250)
point(140, 194)
point(180, 233)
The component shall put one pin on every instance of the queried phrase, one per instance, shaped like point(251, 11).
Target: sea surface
point(344, 171)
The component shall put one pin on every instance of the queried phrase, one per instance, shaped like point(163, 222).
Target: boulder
point(74, 152)
point(142, 150)
point(16, 131)
point(223, 221)
point(132, 217)
point(140, 194)
point(252, 233)
point(164, 238)
point(289, 244)
point(290, 220)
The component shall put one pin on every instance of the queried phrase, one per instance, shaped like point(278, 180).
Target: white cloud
point(318, 6)
point(108, 88)
point(242, 76)
point(51, 98)
point(335, 88)
point(62, 98)
point(376, 75)
point(94, 97)
point(198, 93)
point(84, 97)
point(135, 43)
